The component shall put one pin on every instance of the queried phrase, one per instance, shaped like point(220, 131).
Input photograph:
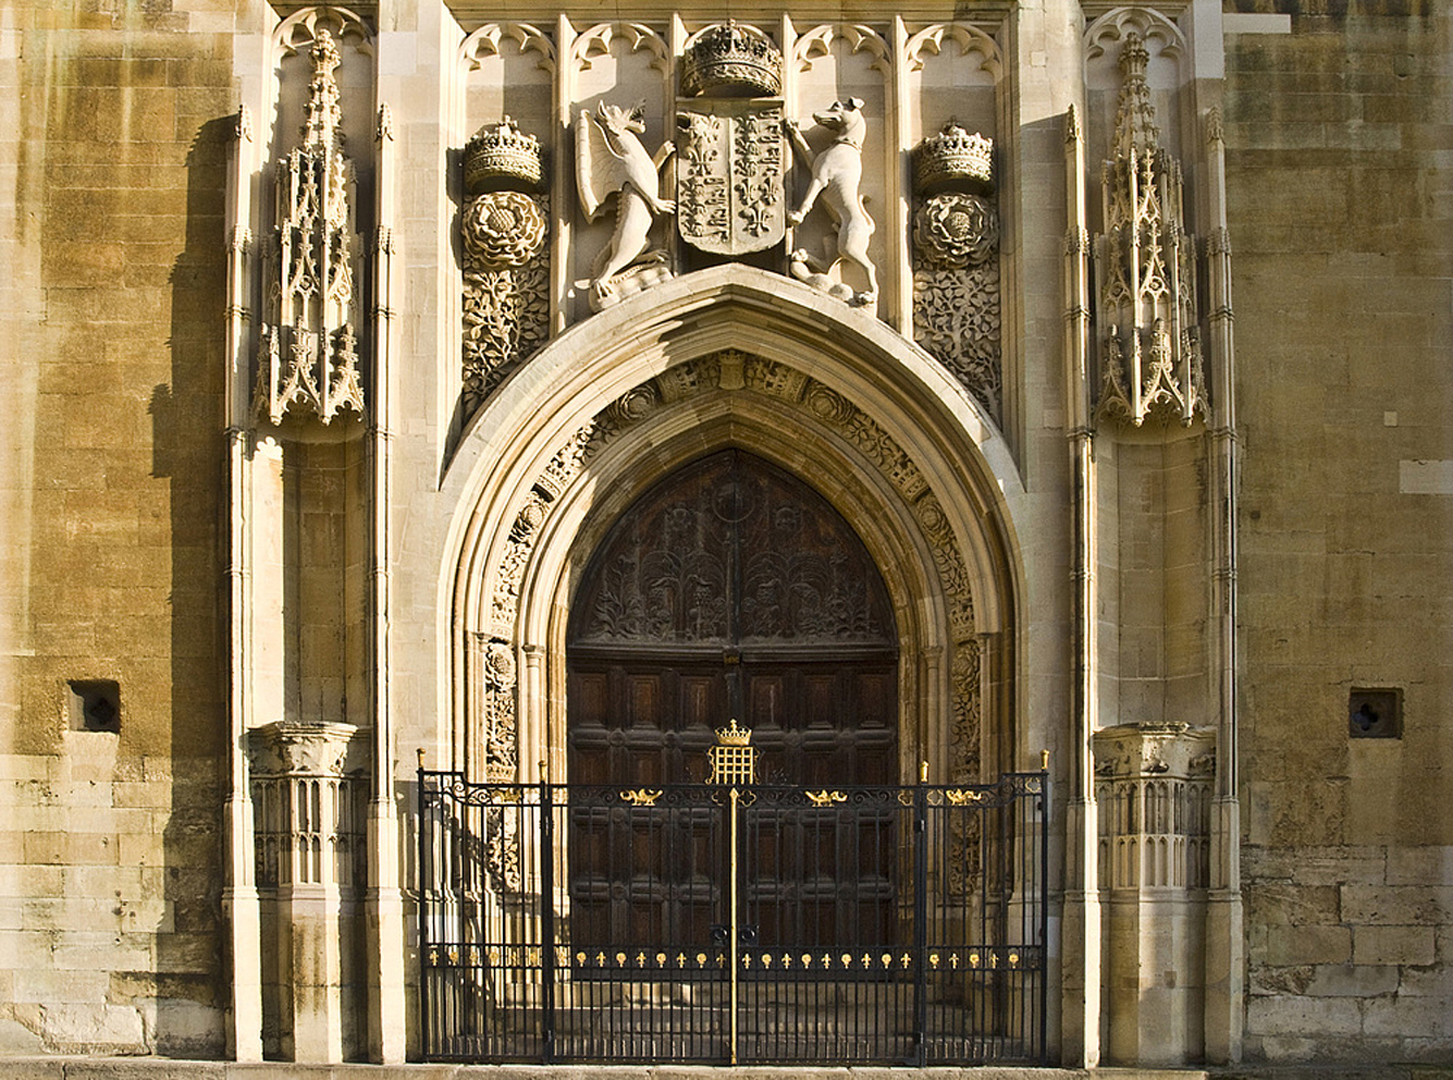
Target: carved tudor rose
point(503, 228)
point(957, 230)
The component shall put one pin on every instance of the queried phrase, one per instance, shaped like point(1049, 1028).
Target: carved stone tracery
point(1150, 349)
point(309, 338)
point(308, 827)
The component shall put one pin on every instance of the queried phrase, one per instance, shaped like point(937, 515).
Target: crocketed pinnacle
point(324, 114)
point(1135, 128)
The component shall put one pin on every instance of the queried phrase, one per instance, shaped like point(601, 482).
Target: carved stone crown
point(953, 160)
point(733, 60)
point(501, 157)
point(733, 735)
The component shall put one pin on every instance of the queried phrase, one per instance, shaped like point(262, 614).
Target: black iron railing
point(714, 924)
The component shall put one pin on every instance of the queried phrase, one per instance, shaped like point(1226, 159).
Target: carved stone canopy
point(309, 347)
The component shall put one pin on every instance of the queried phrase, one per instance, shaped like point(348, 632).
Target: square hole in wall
point(1375, 714)
point(95, 705)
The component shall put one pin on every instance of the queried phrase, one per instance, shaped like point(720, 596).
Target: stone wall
point(110, 480)
point(1340, 142)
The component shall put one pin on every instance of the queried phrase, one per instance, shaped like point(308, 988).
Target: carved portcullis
point(505, 226)
point(309, 347)
point(1149, 335)
point(956, 310)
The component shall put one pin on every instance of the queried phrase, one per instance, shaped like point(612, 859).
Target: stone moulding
point(829, 409)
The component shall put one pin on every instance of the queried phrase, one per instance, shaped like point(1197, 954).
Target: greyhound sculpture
point(836, 174)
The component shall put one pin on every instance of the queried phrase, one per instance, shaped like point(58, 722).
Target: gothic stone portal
point(730, 590)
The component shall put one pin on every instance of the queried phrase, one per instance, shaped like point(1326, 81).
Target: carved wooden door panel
point(731, 590)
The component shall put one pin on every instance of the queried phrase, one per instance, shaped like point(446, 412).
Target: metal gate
point(750, 923)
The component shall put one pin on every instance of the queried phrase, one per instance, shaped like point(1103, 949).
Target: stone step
point(145, 1068)
point(137, 1068)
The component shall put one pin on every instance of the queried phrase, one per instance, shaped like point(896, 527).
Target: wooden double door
point(731, 591)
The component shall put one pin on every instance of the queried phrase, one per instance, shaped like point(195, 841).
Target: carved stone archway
point(897, 447)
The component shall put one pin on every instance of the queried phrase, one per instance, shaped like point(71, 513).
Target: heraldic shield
point(729, 166)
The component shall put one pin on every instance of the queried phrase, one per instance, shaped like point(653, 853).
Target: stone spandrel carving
point(611, 161)
point(1150, 350)
point(308, 358)
point(836, 175)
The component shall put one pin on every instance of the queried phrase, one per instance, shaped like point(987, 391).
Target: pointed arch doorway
point(730, 591)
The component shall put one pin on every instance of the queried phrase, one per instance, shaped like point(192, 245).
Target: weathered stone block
point(1351, 980)
point(1293, 905)
point(1280, 980)
point(1392, 945)
point(1309, 945)
point(1405, 905)
point(1415, 1016)
point(1427, 865)
point(1297, 1015)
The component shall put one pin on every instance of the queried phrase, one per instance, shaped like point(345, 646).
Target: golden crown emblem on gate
point(732, 735)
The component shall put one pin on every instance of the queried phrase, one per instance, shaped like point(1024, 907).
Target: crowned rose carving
point(503, 229)
point(957, 230)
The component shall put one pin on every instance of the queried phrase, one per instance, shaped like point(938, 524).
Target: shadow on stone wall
point(185, 995)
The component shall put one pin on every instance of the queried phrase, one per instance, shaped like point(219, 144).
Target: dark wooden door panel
point(732, 590)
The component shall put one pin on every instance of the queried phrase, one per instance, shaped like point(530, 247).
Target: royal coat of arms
point(729, 166)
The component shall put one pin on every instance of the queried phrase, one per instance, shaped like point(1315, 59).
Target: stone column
point(1154, 789)
point(307, 836)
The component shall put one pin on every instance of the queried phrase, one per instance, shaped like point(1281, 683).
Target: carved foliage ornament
point(309, 344)
point(956, 305)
